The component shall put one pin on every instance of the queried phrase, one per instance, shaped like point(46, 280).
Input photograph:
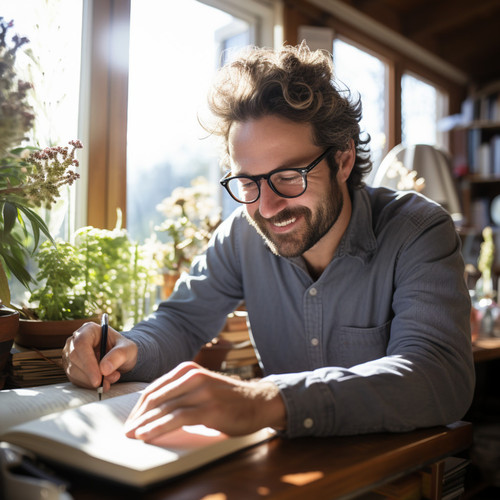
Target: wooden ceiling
point(464, 33)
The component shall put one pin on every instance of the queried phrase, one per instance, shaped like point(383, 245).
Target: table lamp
point(423, 168)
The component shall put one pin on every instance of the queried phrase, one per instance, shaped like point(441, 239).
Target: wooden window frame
point(107, 113)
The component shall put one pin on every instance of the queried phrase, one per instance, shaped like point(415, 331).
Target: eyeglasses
point(285, 182)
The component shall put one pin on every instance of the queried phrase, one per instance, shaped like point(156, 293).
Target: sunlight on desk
point(302, 478)
point(215, 496)
point(263, 491)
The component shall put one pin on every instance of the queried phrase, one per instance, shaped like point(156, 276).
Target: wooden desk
point(307, 468)
point(486, 349)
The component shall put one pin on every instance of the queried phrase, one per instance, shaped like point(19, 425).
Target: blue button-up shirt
point(379, 342)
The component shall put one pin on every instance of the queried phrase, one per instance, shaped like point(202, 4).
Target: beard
point(297, 242)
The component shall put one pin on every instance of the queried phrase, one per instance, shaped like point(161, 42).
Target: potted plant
point(28, 179)
point(121, 273)
point(191, 216)
point(61, 301)
point(101, 271)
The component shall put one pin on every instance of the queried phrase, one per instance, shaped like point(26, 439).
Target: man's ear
point(345, 160)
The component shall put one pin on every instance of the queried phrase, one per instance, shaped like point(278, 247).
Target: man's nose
point(269, 202)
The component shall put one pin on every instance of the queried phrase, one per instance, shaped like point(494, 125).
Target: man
point(356, 299)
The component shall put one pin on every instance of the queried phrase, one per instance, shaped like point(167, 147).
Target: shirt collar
point(359, 239)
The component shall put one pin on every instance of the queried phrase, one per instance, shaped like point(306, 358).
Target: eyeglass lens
point(288, 183)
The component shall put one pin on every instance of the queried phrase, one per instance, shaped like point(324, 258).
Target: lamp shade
point(424, 162)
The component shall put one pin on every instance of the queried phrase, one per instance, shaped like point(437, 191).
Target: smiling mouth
point(286, 222)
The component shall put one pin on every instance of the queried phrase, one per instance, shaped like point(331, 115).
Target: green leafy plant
point(63, 291)
point(102, 271)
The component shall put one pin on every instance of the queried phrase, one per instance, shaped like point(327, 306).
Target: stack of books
point(241, 358)
point(232, 351)
point(33, 367)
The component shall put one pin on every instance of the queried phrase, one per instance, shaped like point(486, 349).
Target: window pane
point(170, 71)
point(365, 75)
point(51, 62)
point(421, 108)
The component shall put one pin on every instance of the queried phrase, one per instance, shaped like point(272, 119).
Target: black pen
point(104, 341)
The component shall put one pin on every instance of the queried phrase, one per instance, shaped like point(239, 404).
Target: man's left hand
point(192, 395)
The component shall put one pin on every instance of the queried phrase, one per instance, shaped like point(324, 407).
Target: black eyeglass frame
point(303, 171)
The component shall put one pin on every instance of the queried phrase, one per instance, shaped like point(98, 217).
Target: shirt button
point(314, 341)
point(308, 423)
point(313, 292)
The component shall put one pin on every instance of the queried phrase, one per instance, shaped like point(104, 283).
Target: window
point(365, 75)
point(422, 106)
point(51, 62)
point(169, 75)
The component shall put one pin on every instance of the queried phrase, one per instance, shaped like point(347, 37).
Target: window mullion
point(107, 124)
point(394, 105)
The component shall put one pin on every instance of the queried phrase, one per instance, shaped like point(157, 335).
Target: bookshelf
point(475, 147)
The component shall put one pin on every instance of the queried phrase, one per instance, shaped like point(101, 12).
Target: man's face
point(290, 226)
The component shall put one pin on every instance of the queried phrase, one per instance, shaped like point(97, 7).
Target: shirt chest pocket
point(359, 345)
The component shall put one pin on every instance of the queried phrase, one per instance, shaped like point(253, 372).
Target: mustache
point(284, 215)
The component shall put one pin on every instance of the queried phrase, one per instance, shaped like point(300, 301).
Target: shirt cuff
point(309, 404)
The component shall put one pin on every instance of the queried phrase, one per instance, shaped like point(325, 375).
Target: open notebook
point(90, 435)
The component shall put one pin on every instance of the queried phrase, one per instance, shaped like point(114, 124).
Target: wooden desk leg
point(436, 483)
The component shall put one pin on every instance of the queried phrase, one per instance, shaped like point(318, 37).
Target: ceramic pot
point(169, 280)
point(9, 324)
point(48, 334)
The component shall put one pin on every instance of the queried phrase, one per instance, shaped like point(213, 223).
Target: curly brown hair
point(294, 83)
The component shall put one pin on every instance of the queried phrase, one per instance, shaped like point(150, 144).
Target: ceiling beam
point(385, 35)
point(430, 19)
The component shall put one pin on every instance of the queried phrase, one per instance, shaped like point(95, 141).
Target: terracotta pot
point(9, 324)
point(169, 280)
point(48, 334)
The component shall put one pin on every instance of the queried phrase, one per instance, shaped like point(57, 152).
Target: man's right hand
point(81, 357)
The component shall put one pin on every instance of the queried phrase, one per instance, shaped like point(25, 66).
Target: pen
point(104, 341)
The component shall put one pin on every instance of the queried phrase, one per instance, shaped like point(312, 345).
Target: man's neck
point(320, 255)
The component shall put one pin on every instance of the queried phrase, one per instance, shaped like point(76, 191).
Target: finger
point(110, 380)
point(79, 357)
point(78, 376)
point(189, 399)
point(168, 386)
point(168, 423)
point(162, 425)
point(121, 357)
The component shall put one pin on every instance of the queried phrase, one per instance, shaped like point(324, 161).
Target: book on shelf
point(67, 425)
point(483, 105)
